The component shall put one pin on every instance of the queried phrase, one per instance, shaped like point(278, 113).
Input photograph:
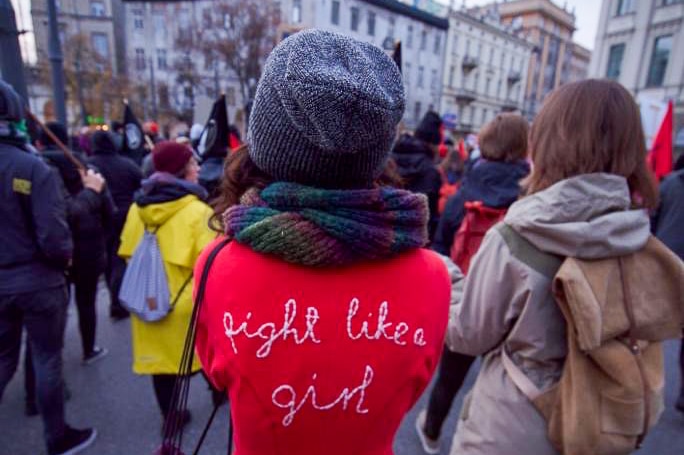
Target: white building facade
point(180, 78)
point(485, 70)
point(383, 22)
point(640, 44)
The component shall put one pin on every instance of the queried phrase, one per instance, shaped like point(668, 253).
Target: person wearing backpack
point(322, 316)
point(486, 191)
point(171, 205)
point(583, 221)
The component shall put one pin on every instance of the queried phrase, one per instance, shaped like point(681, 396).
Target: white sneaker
point(430, 446)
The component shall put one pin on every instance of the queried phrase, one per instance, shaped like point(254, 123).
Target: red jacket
point(308, 367)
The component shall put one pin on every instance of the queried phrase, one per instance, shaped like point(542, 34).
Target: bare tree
point(238, 33)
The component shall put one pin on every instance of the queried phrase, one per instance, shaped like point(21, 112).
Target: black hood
point(70, 175)
point(412, 156)
point(495, 183)
point(103, 143)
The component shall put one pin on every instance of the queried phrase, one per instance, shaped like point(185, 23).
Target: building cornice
point(409, 11)
point(490, 28)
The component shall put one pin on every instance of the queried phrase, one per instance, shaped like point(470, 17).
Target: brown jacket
point(508, 304)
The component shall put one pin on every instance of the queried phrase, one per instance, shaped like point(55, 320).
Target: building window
point(452, 71)
point(390, 30)
point(484, 116)
point(138, 19)
point(671, 2)
point(335, 12)
point(454, 50)
point(615, 55)
point(97, 8)
point(161, 59)
point(421, 72)
point(423, 40)
point(407, 72)
point(491, 55)
point(433, 80)
point(100, 44)
point(296, 11)
point(479, 50)
point(438, 43)
point(488, 82)
point(416, 111)
point(409, 37)
point(476, 82)
point(503, 59)
point(624, 7)
point(140, 59)
point(659, 59)
point(355, 18)
point(371, 23)
point(467, 51)
point(472, 114)
point(498, 89)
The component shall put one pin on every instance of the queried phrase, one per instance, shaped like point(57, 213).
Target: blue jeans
point(43, 314)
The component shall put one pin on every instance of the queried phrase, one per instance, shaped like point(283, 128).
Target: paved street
point(122, 407)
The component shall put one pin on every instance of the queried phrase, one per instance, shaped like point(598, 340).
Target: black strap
point(185, 284)
point(173, 426)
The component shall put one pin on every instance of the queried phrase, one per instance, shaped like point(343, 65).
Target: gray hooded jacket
point(508, 304)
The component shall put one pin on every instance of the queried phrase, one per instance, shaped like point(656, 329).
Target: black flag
point(134, 139)
point(214, 138)
point(396, 55)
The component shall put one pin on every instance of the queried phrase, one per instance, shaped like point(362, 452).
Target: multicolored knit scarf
point(318, 227)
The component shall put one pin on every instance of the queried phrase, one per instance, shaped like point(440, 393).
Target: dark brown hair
point(239, 175)
point(504, 138)
point(586, 127)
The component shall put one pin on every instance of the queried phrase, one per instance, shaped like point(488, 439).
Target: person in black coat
point(123, 178)
point(493, 179)
point(36, 250)
point(415, 159)
point(89, 209)
point(667, 224)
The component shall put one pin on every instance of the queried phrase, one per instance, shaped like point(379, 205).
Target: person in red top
point(323, 318)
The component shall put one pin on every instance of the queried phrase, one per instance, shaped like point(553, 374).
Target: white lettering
point(290, 397)
point(382, 327)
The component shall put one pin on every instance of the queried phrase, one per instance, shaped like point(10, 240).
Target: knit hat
point(325, 111)
point(429, 128)
point(171, 157)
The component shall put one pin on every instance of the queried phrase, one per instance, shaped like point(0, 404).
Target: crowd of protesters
point(389, 258)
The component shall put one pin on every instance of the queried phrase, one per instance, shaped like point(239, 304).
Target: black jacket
point(668, 221)
point(123, 178)
point(89, 214)
point(211, 173)
point(416, 166)
point(496, 184)
point(36, 242)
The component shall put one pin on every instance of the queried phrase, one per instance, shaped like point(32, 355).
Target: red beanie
point(171, 157)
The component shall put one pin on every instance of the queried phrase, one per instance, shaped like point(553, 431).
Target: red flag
point(462, 150)
point(660, 156)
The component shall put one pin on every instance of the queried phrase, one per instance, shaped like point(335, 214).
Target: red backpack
point(477, 221)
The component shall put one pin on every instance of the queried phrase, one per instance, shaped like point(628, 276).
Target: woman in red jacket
point(323, 318)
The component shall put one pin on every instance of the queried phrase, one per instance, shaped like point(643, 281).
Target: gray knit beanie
point(325, 111)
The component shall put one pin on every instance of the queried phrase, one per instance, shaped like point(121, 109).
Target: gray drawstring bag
point(145, 288)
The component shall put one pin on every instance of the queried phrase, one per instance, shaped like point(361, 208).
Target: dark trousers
point(116, 267)
point(43, 314)
point(85, 292)
point(681, 369)
point(163, 390)
point(453, 368)
point(29, 375)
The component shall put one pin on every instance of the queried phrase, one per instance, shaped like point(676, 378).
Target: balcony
point(469, 63)
point(464, 96)
point(510, 106)
point(514, 77)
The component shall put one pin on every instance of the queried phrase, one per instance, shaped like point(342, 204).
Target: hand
point(93, 180)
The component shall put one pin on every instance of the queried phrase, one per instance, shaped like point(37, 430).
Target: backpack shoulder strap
point(522, 249)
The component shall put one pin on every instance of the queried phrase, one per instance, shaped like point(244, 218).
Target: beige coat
point(508, 304)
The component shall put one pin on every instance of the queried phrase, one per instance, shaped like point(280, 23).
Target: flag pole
point(70, 156)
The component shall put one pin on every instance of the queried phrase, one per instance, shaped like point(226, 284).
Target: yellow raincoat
point(184, 232)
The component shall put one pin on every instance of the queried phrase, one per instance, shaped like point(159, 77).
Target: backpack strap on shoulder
point(522, 249)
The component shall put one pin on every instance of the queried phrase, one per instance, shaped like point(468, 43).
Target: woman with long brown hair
point(587, 198)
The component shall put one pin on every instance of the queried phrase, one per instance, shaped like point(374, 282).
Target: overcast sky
point(587, 14)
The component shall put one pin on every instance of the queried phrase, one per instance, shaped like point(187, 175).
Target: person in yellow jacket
point(171, 201)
